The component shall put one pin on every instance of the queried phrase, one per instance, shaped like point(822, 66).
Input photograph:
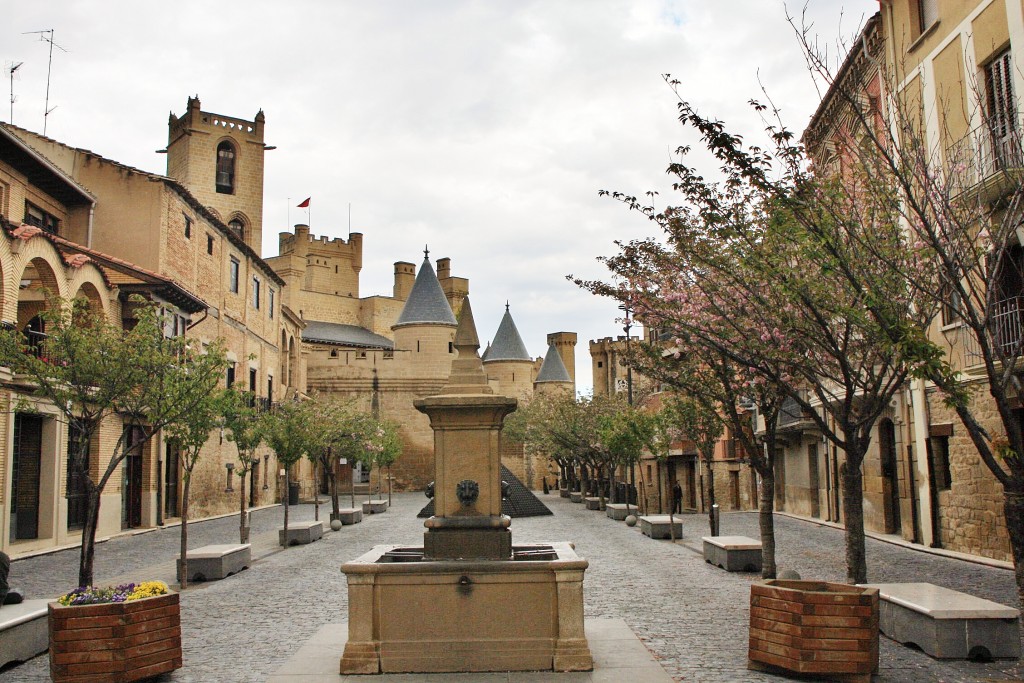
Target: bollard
point(716, 520)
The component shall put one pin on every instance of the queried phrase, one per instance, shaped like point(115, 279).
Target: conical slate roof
point(426, 304)
point(507, 345)
point(520, 502)
point(553, 369)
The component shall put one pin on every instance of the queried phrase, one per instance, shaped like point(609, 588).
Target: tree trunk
point(316, 493)
point(243, 528)
point(332, 477)
point(710, 479)
point(853, 511)
point(183, 559)
point(1013, 509)
point(766, 520)
point(88, 550)
point(287, 495)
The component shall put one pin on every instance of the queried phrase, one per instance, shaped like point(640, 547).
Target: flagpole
point(288, 220)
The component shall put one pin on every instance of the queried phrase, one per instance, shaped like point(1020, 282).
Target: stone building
point(385, 351)
point(945, 69)
point(735, 483)
point(197, 231)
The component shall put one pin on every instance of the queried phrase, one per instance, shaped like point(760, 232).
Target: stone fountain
point(468, 600)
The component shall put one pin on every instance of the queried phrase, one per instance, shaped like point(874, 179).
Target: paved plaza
point(690, 615)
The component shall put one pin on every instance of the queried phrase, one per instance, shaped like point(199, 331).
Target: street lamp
point(626, 327)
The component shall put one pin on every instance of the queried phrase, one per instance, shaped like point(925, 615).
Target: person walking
point(677, 498)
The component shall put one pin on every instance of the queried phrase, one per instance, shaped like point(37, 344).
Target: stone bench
point(301, 533)
point(213, 562)
point(619, 511)
point(576, 497)
point(947, 624)
point(657, 526)
point(23, 631)
point(593, 503)
point(373, 507)
point(350, 515)
point(733, 553)
point(563, 493)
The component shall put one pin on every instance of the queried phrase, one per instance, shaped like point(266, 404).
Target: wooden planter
point(814, 627)
point(115, 642)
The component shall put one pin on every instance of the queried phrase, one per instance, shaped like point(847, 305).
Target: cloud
point(484, 129)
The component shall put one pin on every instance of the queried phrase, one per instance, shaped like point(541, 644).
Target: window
point(256, 293)
point(233, 278)
point(238, 227)
point(40, 218)
point(188, 227)
point(927, 14)
point(270, 388)
point(270, 302)
point(952, 306)
point(252, 380)
point(1002, 113)
point(225, 168)
point(939, 452)
point(231, 376)
point(209, 244)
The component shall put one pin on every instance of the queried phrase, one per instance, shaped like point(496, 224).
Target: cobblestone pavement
point(692, 616)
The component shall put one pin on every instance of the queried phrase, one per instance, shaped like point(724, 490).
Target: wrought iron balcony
point(1005, 329)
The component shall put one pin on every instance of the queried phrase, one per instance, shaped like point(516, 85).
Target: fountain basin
point(406, 614)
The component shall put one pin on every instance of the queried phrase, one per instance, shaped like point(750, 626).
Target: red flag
point(305, 204)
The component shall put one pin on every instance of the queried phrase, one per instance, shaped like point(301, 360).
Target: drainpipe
point(88, 228)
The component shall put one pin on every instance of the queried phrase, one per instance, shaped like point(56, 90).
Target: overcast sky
point(482, 129)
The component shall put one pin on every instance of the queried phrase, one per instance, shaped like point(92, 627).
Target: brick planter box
point(814, 627)
point(115, 642)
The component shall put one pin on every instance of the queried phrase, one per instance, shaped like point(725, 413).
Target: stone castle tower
point(220, 159)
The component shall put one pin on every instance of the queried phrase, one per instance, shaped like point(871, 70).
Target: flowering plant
point(126, 592)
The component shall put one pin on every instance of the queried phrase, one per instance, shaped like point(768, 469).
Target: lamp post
point(626, 327)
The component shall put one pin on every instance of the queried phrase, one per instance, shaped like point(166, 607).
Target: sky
point(482, 129)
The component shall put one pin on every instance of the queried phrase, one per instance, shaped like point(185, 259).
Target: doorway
point(172, 471)
point(27, 462)
point(131, 479)
point(890, 476)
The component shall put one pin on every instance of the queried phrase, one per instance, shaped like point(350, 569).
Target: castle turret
point(405, 275)
point(507, 360)
point(219, 159)
point(427, 324)
point(565, 343)
point(553, 376)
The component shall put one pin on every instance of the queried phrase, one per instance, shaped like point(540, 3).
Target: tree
point(349, 430)
point(740, 271)
point(700, 371)
point(190, 433)
point(961, 205)
point(95, 372)
point(381, 447)
point(292, 430)
point(698, 420)
point(245, 429)
point(623, 432)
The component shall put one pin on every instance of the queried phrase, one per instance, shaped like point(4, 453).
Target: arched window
point(225, 168)
point(237, 226)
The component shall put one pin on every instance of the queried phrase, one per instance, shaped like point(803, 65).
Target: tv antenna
point(10, 71)
point(47, 36)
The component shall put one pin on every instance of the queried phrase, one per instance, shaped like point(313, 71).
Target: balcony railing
point(984, 152)
point(1005, 329)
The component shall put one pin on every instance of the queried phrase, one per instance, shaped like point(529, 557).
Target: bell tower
point(219, 159)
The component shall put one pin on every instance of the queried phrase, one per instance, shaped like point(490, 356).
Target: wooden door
point(28, 446)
